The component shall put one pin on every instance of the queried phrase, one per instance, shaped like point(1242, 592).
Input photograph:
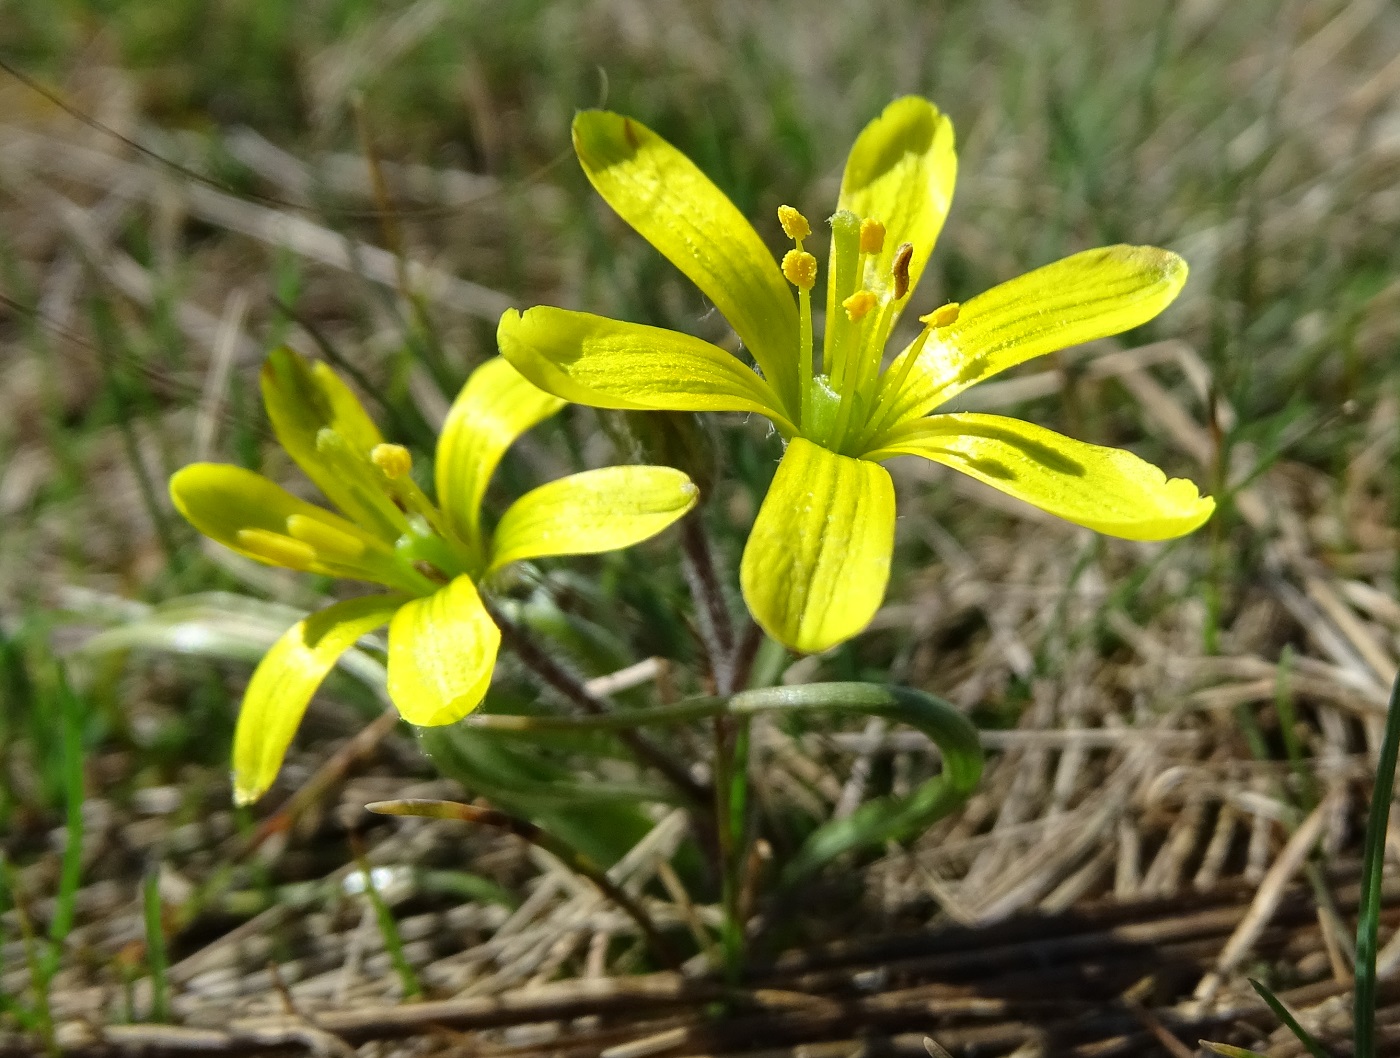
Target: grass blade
point(1368, 915)
point(155, 944)
point(1286, 1016)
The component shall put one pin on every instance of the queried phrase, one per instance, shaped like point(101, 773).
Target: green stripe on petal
point(1090, 295)
point(675, 207)
point(442, 650)
point(258, 518)
point(597, 510)
point(1108, 490)
point(817, 561)
point(284, 682)
point(610, 364)
point(901, 172)
point(494, 408)
point(304, 397)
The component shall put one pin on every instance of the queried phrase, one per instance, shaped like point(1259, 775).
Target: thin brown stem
point(554, 675)
point(711, 607)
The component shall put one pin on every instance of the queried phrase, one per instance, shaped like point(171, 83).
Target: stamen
point(859, 304)
point(902, 257)
point(328, 541)
point(800, 268)
point(943, 316)
point(872, 236)
point(276, 549)
point(394, 460)
point(794, 224)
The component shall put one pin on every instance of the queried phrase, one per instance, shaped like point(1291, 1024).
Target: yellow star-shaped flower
point(431, 557)
point(817, 562)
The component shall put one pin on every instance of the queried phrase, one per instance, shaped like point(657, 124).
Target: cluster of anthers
point(847, 404)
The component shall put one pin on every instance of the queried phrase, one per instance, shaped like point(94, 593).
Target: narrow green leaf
point(1368, 915)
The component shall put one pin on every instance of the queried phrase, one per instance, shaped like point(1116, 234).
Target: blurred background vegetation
point(142, 284)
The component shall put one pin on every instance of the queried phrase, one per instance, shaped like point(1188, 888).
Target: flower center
point(842, 393)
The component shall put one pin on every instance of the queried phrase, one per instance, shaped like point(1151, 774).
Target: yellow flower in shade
point(430, 557)
point(816, 565)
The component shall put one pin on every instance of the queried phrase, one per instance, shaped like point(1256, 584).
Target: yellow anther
point(794, 224)
point(943, 316)
point(859, 304)
point(900, 269)
point(328, 540)
point(276, 549)
point(872, 236)
point(394, 460)
point(800, 267)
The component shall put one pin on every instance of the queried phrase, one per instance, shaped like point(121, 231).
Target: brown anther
point(430, 571)
point(902, 257)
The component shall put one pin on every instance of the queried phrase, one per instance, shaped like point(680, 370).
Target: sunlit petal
point(818, 558)
point(609, 364)
point(598, 510)
point(495, 407)
point(1106, 489)
point(901, 172)
point(442, 650)
point(284, 682)
point(1090, 295)
point(303, 397)
point(675, 207)
point(256, 517)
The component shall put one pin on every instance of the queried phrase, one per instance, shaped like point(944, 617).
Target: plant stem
point(712, 609)
point(554, 675)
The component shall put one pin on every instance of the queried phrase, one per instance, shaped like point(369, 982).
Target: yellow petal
point(495, 407)
point(815, 567)
point(609, 364)
point(303, 397)
point(248, 513)
point(598, 510)
point(1090, 295)
point(285, 680)
point(675, 207)
point(442, 650)
point(1106, 489)
point(900, 172)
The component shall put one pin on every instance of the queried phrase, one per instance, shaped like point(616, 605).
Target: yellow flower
point(431, 557)
point(816, 564)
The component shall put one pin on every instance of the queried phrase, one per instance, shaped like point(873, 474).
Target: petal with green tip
point(1090, 295)
point(901, 172)
point(610, 364)
point(676, 208)
point(591, 512)
point(285, 681)
point(442, 650)
point(1108, 490)
point(817, 561)
point(494, 408)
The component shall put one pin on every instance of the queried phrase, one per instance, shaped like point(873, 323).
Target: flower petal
point(901, 172)
point(495, 407)
point(609, 364)
point(249, 514)
point(1090, 295)
point(1108, 490)
point(442, 650)
point(815, 567)
point(675, 207)
point(284, 682)
point(303, 397)
point(598, 510)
